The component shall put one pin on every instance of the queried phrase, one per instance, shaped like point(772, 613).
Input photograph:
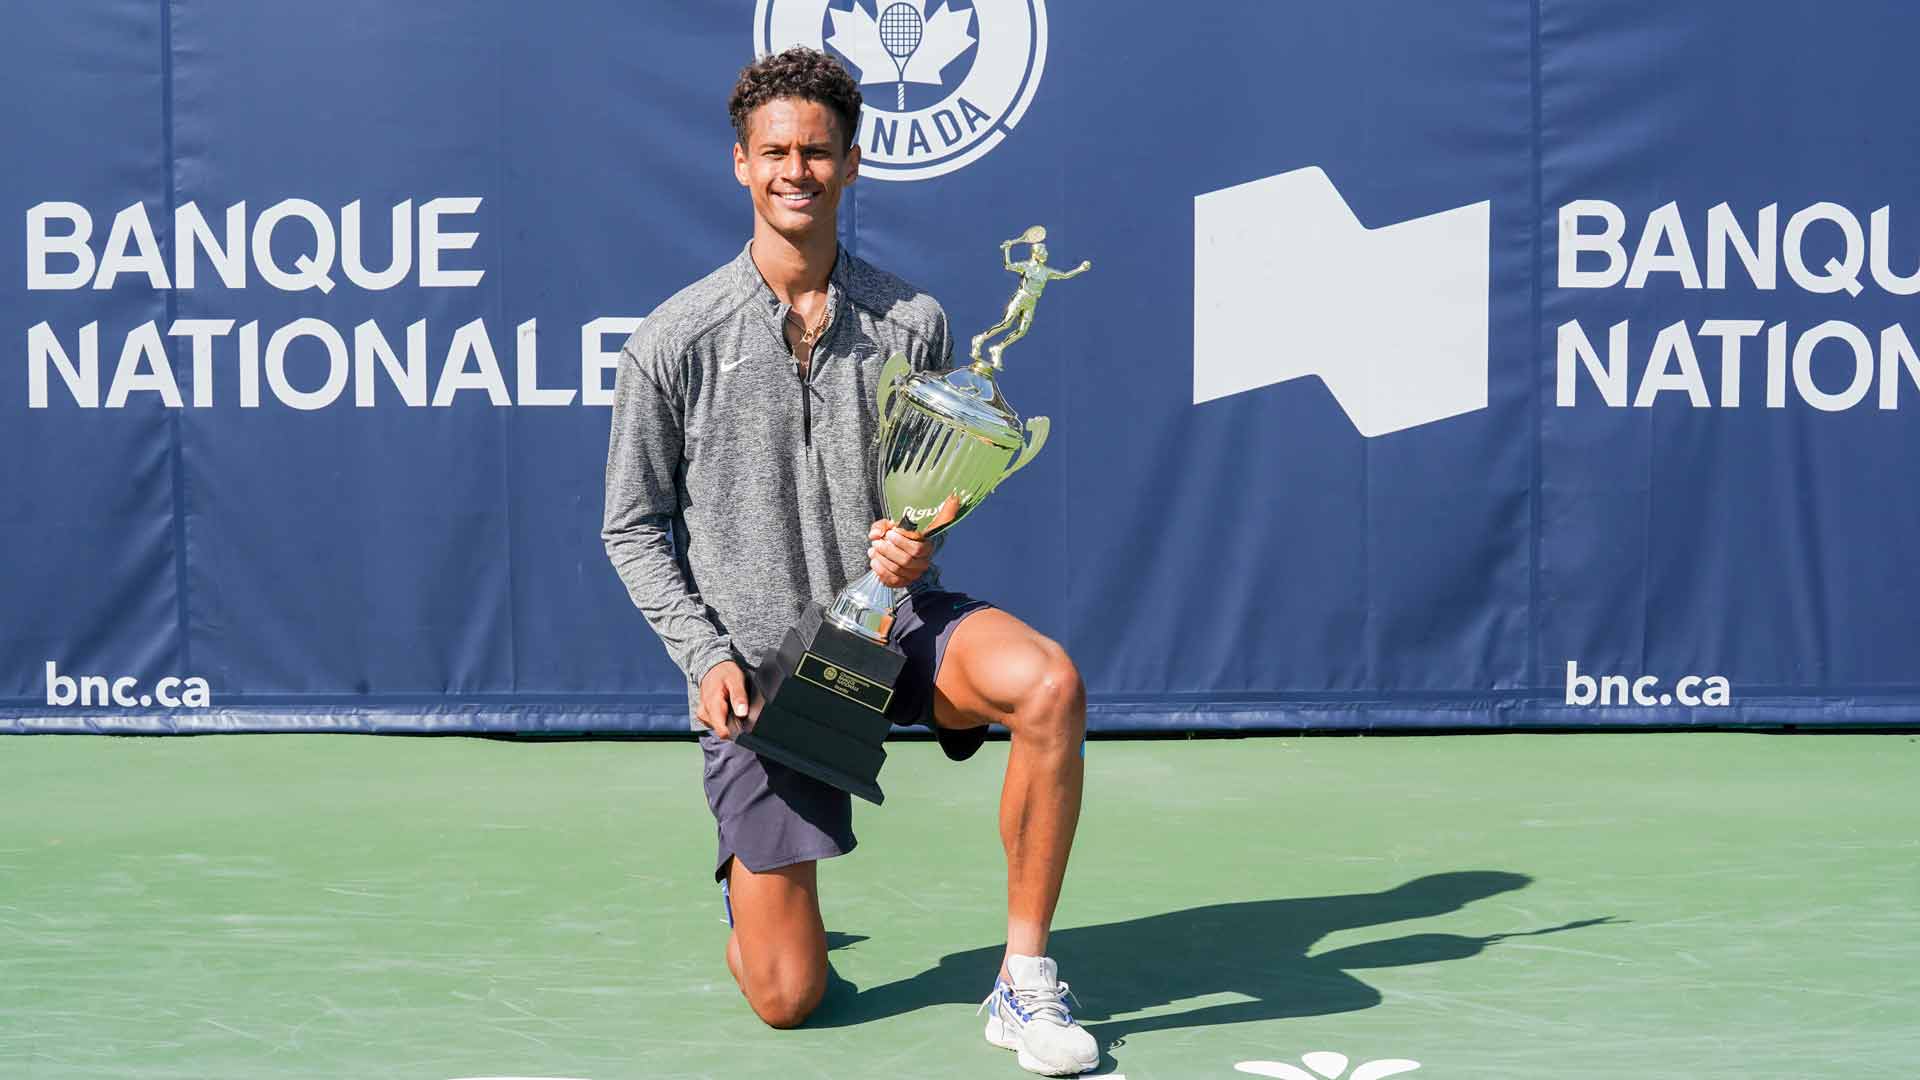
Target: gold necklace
point(809, 335)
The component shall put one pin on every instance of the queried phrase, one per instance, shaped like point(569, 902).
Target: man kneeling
point(741, 486)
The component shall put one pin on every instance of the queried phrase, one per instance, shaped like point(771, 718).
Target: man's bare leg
point(998, 669)
point(778, 949)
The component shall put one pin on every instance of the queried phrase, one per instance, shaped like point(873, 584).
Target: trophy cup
point(947, 439)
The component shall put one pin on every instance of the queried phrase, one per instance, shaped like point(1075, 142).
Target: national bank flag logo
point(943, 80)
point(1287, 282)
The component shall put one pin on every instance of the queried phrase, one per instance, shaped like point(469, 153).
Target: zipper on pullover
point(805, 376)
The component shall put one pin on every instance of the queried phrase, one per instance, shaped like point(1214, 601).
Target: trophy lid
point(968, 398)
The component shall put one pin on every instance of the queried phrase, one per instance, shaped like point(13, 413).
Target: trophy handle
point(1037, 428)
point(892, 374)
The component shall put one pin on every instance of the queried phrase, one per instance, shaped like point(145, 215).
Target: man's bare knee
point(787, 1004)
point(781, 945)
point(1052, 709)
point(1055, 689)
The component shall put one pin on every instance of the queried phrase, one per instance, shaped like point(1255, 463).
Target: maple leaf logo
point(900, 42)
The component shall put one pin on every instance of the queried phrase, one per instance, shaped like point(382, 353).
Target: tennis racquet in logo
point(901, 31)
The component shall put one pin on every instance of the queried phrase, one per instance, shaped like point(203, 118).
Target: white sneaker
point(1030, 1015)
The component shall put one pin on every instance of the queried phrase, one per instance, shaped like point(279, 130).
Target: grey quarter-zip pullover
point(736, 492)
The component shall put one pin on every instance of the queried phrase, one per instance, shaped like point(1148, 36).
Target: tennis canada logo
point(944, 80)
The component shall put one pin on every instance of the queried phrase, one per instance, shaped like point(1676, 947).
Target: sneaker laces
point(1037, 1001)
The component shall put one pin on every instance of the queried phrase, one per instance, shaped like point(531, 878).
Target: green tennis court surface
point(1653, 905)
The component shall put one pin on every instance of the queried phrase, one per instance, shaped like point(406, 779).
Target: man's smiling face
point(795, 164)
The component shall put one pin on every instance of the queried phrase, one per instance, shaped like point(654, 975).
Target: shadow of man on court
point(1256, 948)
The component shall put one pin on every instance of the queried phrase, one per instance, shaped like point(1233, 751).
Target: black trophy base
point(821, 705)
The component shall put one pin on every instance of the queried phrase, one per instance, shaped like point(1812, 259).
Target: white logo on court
point(943, 80)
point(1327, 1064)
point(1288, 282)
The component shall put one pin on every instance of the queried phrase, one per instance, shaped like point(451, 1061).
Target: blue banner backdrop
point(312, 307)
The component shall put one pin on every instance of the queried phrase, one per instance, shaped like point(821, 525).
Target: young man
point(740, 486)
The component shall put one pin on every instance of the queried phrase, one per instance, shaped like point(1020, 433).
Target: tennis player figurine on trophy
point(947, 439)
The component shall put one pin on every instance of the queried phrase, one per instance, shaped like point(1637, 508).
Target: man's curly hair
point(802, 74)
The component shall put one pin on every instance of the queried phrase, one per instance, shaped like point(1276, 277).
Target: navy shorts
point(771, 816)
